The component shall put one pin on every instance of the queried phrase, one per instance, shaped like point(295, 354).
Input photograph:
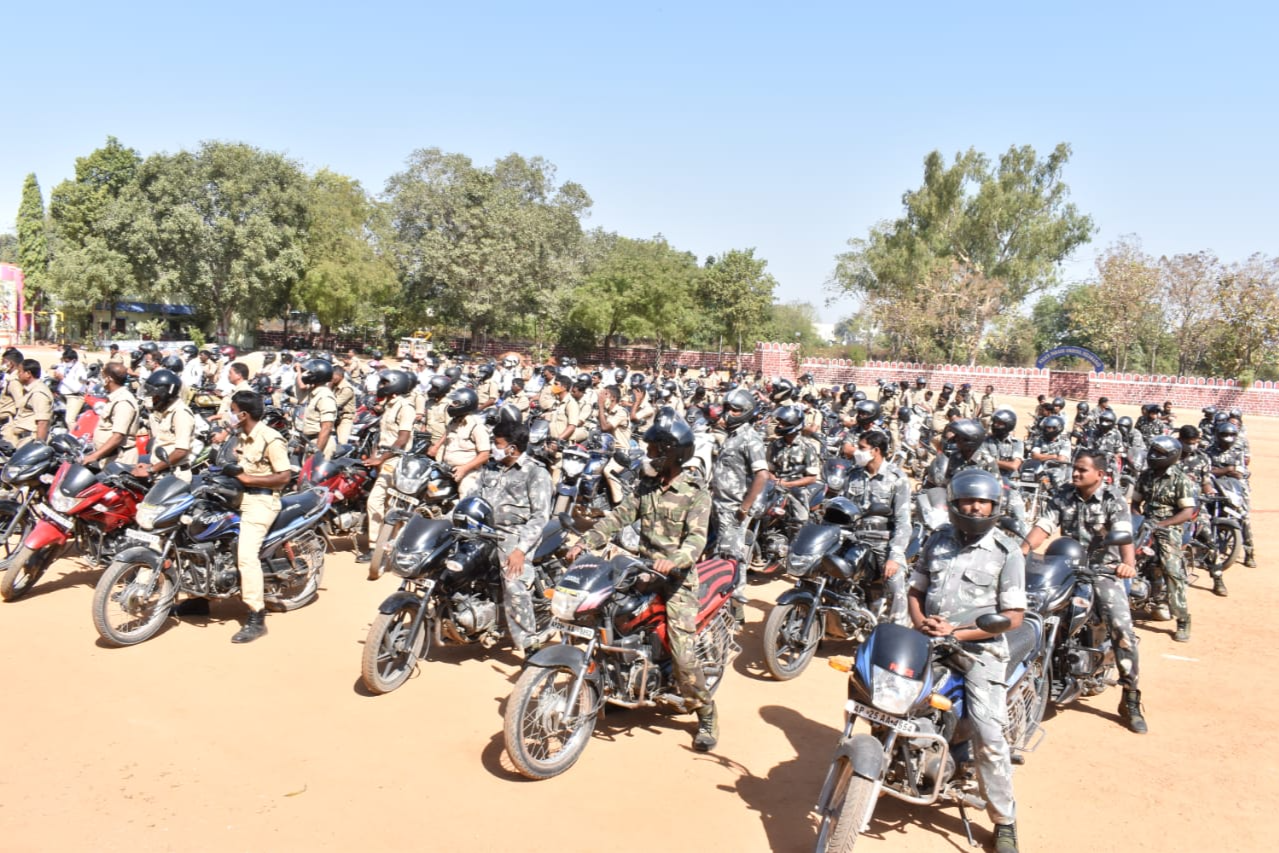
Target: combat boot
point(1160, 612)
point(254, 627)
point(1005, 838)
point(1219, 586)
point(1249, 560)
point(707, 729)
point(1183, 630)
point(1130, 711)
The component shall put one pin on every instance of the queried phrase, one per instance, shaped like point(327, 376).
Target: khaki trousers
point(257, 514)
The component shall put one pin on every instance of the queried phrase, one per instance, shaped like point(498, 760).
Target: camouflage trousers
point(894, 590)
point(1167, 545)
point(517, 603)
point(1111, 601)
point(681, 629)
point(730, 534)
point(987, 713)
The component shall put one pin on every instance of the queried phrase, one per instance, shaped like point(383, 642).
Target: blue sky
point(787, 127)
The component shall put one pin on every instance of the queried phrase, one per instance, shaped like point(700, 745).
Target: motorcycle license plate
point(866, 712)
point(572, 630)
point(143, 537)
point(56, 517)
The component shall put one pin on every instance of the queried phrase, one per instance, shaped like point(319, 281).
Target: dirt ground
point(190, 743)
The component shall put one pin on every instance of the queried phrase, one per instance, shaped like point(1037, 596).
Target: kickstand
point(968, 829)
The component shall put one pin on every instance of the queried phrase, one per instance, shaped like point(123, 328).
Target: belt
point(258, 490)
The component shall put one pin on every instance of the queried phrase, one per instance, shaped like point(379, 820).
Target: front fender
point(139, 554)
point(562, 655)
point(797, 594)
point(397, 601)
point(44, 535)
point(865, 753)
point(1227, 522)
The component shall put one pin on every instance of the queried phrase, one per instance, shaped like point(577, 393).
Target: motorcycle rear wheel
point(849, 802)
point(537, 741)
point(126, 614)
point(786, 653)
point(23, 569)
point(389, 656)
point(311, 547)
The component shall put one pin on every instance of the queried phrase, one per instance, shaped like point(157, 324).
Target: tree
point(224, 227)
point(1247, 338)
point(8, 248)
point(792, 323)
point(1122, 312)
point(33, 241)
point(1188, 284)
point(973, 242)
point(736, 289)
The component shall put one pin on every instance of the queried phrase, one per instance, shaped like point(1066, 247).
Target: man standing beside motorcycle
point(1164, 494)
point(171, 426)
point(1087, 510)
point(344, 396)
point(70, 374)
point(1231, 460)
point(967, 569)
point(739, 475)
point(519, 489)
point(394, 433)
point(875, 480)
point(116, 433)
point(321, 405)
point(673, 511)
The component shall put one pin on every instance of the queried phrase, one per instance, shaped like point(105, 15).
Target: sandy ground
point(190, 743)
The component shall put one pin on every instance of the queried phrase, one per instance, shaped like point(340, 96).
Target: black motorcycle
point(419, 486)
point(1214, 539)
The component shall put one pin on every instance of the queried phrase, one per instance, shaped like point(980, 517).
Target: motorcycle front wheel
point(131, 602)
point(381, 557)
point(23, 569)
point(788, 650)
point(1226, 542)
point(12, 529)
point(389, 652)
point(544, 737)
point(842, 819)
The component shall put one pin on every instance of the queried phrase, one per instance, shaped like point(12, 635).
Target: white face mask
point(648, 469)
point(499, 454)
point(861, 458)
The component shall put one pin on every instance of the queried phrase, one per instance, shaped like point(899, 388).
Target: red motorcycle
point(92, 509)
point(349, 482)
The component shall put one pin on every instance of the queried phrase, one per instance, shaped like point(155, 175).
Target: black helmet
point(162, 387)
point(1106, 420)
point(583, 381)
point(619, 375)
point(867, 412)
point(1227, 434)
point(1150, 409)
point(505, 412)
point(454, 373)
point(1002, 423)
point(890, 389)
point(1164, 450)
point(474, 513)
point(135, 357)
point(149, 346)
point(850, 387)
point(672, 439)
point(968, 435)
point(438, 386)
point(948, 388)
point(1236, 413)
point(172, 362)
point(859, 395)
point(484, 371)
point(920, 381)
point(317, 372)
point(267, 359)
point(740, 406)
point(1064, 546)
point(637, 380)
point(903, 414)
point(190, 350)
point(1209, 411)
point(789, 420)
point(1052, 426)
point(393, 383)
point(1082, 407)
point(968, 484)
point(462, 402)
point(1059, 402)
point(1125, 424)
point(783, 391)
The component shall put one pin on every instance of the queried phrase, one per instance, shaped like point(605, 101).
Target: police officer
point(262, 467)
point(1003, 443)
point(487, 386)
point(875, 480)
point(968, 568)
point(966, 448)
point(466, 445)
point(519, 489)
point(1231, 460)
point(739, 474)
point(1198, 468)
point(70, 374)
point(517, 397)
point(34, 408)
point(435, 404)
point(1053, 447)
point(794, 464)
point(1107, 438)
point(114, 438)
point(171, 426)
point(394, 433)
point(673, 511)
point(1087, 510)
point(11, 392)
point(986, 407)
point(1164, 493)
point(321, 405)
point(1151, 422)
point(344, 397)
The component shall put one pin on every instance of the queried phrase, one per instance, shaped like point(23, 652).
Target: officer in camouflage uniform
point(1164, 493)
point(968, 568)
point(875, 480)
point(1003, 444)
point(1231, 460)
point(519, 490)
point(1151, 423)
point(1086, 511)
point(739, 475)
point(1198, 468)
point(794, 463)
point(674, 512)
point(968, 449)
point(1108, 439)
point(1053, 446)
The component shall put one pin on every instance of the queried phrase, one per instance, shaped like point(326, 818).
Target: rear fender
point(44, 535)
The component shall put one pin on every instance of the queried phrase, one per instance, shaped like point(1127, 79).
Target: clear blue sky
point(787, 127)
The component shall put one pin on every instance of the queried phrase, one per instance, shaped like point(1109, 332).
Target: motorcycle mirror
point(994, 623)
point(1118, 537)
point(161, 454)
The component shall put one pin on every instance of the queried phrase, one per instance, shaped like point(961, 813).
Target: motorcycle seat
point(1022, 641)
point(293, 507)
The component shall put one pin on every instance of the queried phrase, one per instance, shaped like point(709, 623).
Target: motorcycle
point(614, 650)
point(1214, 539)
point(419, 485)
point(909, 688)
point(582, 489)
point(349, 482)
point(450, 593)
point(767, 537)
point(838, 590)
point(24, 477)
point(1035, 482)
point(186, 538)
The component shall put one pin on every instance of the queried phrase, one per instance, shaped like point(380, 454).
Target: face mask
point(861, 458)
point(648, 469)
point(499, 454)
point(238, 425)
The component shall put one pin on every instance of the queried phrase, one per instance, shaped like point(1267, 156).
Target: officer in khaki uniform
point(114, 439)
point(344, 396)
point(262, 467)
point(34, 409)
point(556, 412)
point(466, 444)
point(320, 405)
point(488, 388)
point(396, 430)
point(11, 393)
point(434, 415)
point(172, 426)
point(517, 398)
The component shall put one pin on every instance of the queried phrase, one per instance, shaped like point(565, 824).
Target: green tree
point(1122, 316)
point(1245, 341)
point(8, 248)
point(792, 323)
point(974, 241)
point(223, 227)
point(1189, 283)
point(736, 290)
point(33, 241)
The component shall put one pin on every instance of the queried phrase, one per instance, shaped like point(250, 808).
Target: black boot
point(1183, 631)
point(707, 729)
point(1249, 559)
point(1005, 838)
point(254, 627)
point(1130, 710)
point(1219, 586)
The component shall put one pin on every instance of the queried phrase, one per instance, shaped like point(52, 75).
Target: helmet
point(474, 513)
point(637, 380)
point(672, 438)
point(375, 354)
point(806, 378)
point(891, 389)
point(1064, 546)
point(583, 381)
point(1164, 450)
point(1106, 420)
point(859, 395)
point(1236, 413)
point(920, 381)
point(317, 372)
point(1059, 402)
point(659, 391)
point(229, 351)
point(149, 346)
point(948, 388)
point(789, 420)
point(505, 412)
point(462, 402)
point(973, 483)
point(968, 435)
point(162, 387)
point(484, 371)
point(267, 359)
point(1209, 411)
point(1150, 409)
point(867, 412)
point(1227, 434)
point(454, 373)
point(1082, 407)
point(619, 375)
point(1052, 426)
point(438, 386)
point(172, 362)
point(1220, 417)
point(783, 391)
point(510, 361)
point(1125, 423)
point(903, 414)
point(850, 387)
point(190, 350)
point(393, 383)
point(135, 357)
point(739, 407)
point(1002, 423)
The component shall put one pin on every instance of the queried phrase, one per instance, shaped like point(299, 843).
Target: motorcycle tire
point(115, 588)
point(536, 741)
point(1227, 542)
point(310, 588)
point(786, 654)
point(12, 530)
point(23, 569)
point(1043, 689)
point(849, 802)
point(389, 656)
point(382, 549)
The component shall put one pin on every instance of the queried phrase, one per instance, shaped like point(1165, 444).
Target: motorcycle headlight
point(892, 692)
point(147, 514)
point(572, 466)
point(405, 564)
point(565, 602)
point(801, 564)
point(61, 502)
